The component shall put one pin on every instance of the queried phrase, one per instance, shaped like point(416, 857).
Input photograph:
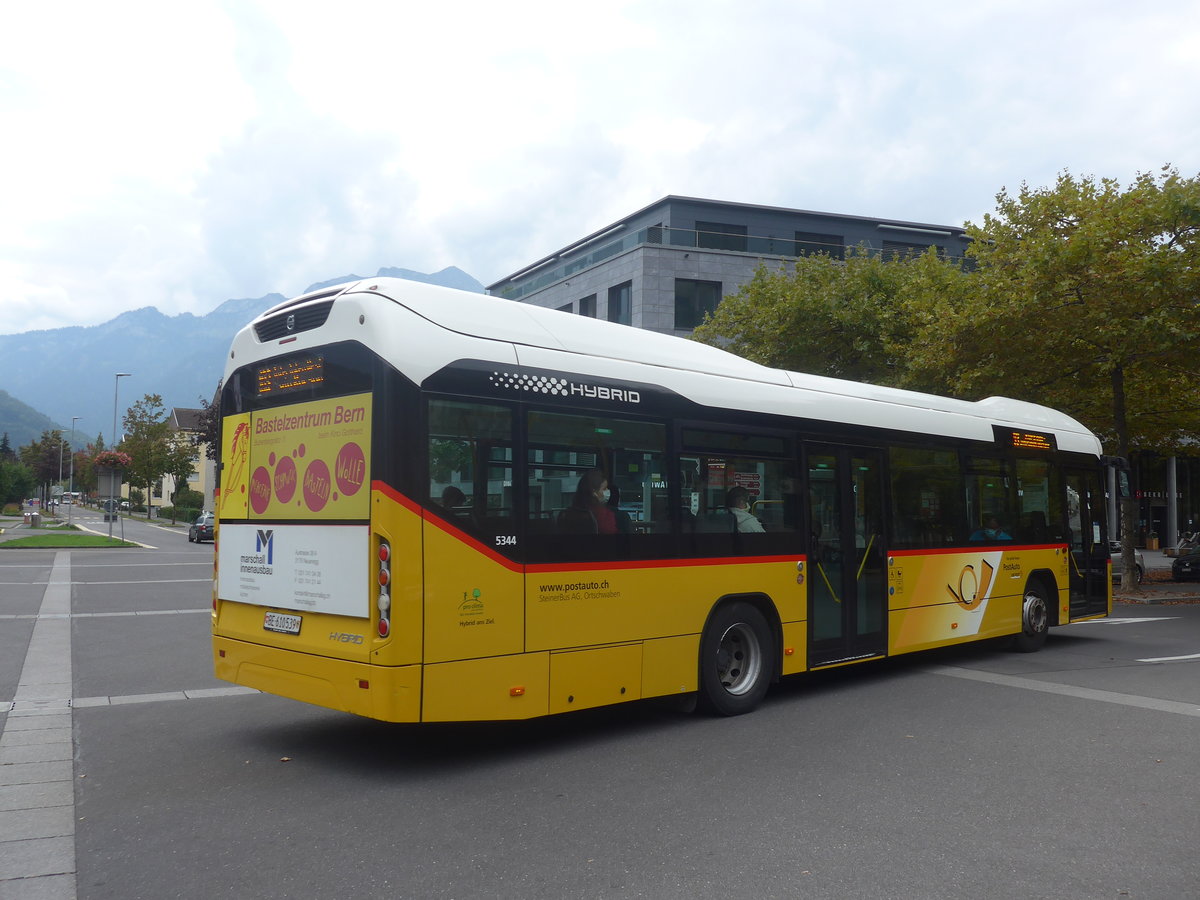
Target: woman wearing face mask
point(589, 511)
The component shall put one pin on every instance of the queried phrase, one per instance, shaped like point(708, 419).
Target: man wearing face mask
point(738, 503)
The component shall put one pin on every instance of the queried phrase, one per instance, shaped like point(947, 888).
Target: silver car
point(1118, 562)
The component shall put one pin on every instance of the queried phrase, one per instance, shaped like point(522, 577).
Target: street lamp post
point(71, 486)
point(113, 510)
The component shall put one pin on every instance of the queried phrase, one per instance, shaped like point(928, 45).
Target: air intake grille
point(305, 318)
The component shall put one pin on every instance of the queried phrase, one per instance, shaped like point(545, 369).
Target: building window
point(587, 306)
point(810, 243)
point(694, 300)
point(566, 308)
point(620, 303)
point(721, 236)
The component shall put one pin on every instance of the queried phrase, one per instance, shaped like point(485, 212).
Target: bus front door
point(1089, 578)
point(847, 561)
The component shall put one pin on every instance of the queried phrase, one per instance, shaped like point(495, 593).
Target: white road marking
point(1131, 620)
point(1170, 658)
point(1069, 690)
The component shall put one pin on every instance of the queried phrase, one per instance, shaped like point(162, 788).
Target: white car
point(1118, 562)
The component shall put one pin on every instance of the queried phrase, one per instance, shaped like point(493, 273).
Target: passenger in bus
point(589, 512)
point(453, 498)
point(737, 501)
point(991, 531)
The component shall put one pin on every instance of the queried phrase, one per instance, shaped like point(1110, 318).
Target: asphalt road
point(1068, 773)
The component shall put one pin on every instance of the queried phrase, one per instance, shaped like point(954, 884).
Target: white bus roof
point(459, 324)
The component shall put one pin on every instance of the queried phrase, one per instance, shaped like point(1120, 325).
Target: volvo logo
point(291, 322)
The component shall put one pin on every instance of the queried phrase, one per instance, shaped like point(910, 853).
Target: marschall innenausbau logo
point(265, 538)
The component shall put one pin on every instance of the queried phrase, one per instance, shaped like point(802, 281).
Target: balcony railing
point(672, 237)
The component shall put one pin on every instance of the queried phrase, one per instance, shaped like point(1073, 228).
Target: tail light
point(383, 601)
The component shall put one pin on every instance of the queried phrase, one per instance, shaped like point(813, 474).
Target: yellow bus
point(440, 506)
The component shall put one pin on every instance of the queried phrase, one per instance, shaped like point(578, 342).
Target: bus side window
point(470, 466)
point(927, 497)
point(627, 455)
point(1039, 498)
point(735, 504)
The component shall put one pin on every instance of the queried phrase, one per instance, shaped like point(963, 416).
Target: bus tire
point(737, 660)
point(1035, 619)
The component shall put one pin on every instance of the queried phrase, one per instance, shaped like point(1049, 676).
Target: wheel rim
point(739, 659)
point(1035, 614)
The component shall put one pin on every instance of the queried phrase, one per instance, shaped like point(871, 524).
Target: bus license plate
point(282, 623)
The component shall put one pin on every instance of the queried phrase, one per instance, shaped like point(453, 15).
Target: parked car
point(1187, 566)
point(1118, 562)
point(202, 529)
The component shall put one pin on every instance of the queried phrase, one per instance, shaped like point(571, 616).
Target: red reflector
point(221, 653)
point(384, 628)
point(385, 552)
point(364, 684)
point(384, 577)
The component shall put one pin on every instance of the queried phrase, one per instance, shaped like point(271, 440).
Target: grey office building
point(663, 267)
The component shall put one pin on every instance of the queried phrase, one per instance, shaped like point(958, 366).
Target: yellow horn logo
point(972, 588)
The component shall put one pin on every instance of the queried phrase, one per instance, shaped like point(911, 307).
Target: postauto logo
point(262, 560)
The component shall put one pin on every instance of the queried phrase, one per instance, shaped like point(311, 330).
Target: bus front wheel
point(737, 660)
point(1035, 620)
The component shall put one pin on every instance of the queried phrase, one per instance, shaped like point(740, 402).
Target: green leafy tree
point(16, 480)
point(42, 456)
point(209, 435)
point(148, 441)
point(851, 319)
point(1088, 300)
point(180, 464)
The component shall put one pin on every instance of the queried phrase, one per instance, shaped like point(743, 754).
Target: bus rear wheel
point(737, 660)
point(1035, 620)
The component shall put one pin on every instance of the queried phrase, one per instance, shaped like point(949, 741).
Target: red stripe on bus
point(542, 568)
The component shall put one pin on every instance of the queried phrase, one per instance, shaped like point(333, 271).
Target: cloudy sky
point(177, 155)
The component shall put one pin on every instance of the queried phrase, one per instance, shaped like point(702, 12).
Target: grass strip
point(63, 541)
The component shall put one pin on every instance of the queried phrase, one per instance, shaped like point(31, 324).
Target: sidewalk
point(1157, 587)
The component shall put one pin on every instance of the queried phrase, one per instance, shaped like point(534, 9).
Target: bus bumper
point(389, 693)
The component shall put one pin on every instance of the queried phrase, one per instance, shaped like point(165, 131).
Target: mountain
point(22, 423)
point(65, 372)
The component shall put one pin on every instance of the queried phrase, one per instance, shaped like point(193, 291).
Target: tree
point(16, 480)
point(1088, 301)
point(85, 466)
point(854, 319)
point(6, 451)
point(180, 463)
point(148, 443)
point(43, 457)
point(209, 435)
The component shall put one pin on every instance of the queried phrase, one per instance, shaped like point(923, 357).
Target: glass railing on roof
point(673, 237)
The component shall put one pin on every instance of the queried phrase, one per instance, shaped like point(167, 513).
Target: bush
point(12, 509)
point(180, 513)
point(185, 498)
